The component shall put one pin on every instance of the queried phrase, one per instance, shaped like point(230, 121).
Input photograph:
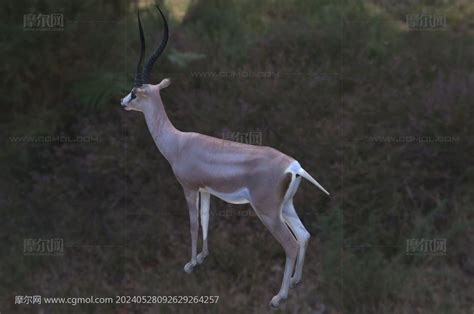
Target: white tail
point(308, 177)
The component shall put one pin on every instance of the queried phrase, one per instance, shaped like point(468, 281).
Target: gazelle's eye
point(132, 94)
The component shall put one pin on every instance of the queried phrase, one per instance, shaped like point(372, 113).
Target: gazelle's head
point(142, 91)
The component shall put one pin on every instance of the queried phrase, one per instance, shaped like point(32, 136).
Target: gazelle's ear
point(165, 83)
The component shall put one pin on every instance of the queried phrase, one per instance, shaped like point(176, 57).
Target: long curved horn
point(138, 74)
point(157, 53)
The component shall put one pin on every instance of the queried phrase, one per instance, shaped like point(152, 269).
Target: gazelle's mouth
point(125, 106)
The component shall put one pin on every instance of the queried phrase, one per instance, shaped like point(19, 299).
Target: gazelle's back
point(226, 166)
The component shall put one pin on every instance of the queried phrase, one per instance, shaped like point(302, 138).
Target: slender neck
point(161, 129)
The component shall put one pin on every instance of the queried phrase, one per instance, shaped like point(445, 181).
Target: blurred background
point(374, 98)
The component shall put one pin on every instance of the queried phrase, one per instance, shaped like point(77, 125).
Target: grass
point(378, 113)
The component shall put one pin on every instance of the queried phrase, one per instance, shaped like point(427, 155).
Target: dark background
point(379, 112)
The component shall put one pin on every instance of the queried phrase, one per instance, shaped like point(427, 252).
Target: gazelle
point(234, 172)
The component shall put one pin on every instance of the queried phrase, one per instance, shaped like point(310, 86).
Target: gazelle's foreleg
point(205, 198)
point(192, 200)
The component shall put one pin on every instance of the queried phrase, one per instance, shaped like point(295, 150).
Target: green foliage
point(182, 59)
point(380, 114)
point(96, 91)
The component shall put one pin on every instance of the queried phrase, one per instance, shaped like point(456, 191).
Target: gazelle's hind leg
point(281, 232)
point(205, 198)
point(302, 236)
point(296, 226)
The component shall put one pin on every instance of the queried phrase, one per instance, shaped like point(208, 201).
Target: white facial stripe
point(127, 99)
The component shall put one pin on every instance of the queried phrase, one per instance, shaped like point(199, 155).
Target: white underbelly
point(240, 196)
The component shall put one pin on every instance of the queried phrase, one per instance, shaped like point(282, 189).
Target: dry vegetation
point(353, 94)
